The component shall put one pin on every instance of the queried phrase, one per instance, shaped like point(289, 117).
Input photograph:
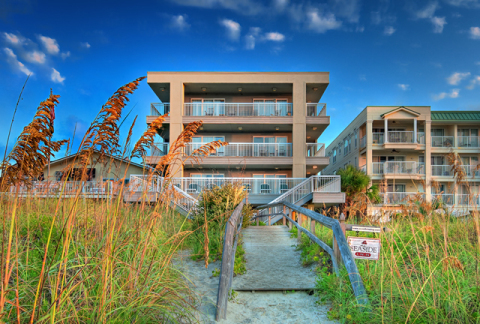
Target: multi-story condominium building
point(271, 121)
point(404, 151)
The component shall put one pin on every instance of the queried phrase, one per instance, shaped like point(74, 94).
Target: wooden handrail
point(232, 231)
point(341, 250)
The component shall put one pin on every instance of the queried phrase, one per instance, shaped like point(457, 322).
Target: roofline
point(109, 155)
point(240, 72)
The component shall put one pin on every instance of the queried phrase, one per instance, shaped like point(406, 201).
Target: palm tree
point(358, 195)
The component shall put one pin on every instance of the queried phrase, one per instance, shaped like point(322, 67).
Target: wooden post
point(258, 221)
point(290, 213)
point(312, 226)
point(299, 233)
point(269, 220)
point(336, 249)
point(284, 218)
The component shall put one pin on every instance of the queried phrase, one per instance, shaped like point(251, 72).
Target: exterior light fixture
point(276, 168)
point(240, 89)
point(240, 128)
point(315, 89)
point(201, 128)
point(314, 128)
point(274, 89)
point(308, 137)
point(204, 89)
point(162, 89)
point(308, 172)
point(277, 128)
point(238, 168)
point(314, 166)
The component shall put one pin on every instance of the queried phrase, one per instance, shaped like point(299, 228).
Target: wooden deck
point(272, 261)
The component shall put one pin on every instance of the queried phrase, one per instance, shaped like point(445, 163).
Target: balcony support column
point(455, 137)
point(428, 160)
point(415, 131)
point(385, 140)
point(299, 130)
point(176, 125)
point(369, 145)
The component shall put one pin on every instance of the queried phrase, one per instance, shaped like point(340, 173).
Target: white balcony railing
point(421, 138)
point(315, 149)
point(377, 167)
point(402, 167)
point(316, 109)
point(468, 141)
point(258, 186)
point(447, 199)
point(230, 109)
point(442, 141)
point(378, 138)
point(471, 170)
point(159, 109)
point(55, 188)
point(246, 149)
point(395, 198)
point(363, 168)
point(159, 149)
point(442, 171)
point(400, 137)
point(363, 142)
point(467, 200)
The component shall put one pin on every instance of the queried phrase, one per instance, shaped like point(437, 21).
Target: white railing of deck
point(399, 197)
point(467, 200)
point(400, 136)
point(145, 183)
point(315, 149)
point(246, 149)
point(159, 109)
point(468, 141)
point(471, 170)
point(421, 138)
point(442, 141)
point(67, 188)
point(363, 142)
point(159, 149)
point(442, 170)
point(231, 109)
point(316, 109)
point(401, 167)
point(447, 199)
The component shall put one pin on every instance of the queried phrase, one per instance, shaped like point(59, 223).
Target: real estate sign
point(364, 248)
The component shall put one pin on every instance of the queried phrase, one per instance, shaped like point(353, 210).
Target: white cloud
point(389, 30)
point(13, 61)
point(233, 28)
point(457, 77)
point(347, 9)
point(429, 13)
point(475, 32)
point(404, 87)
point(453, 94)
point(251, 37)
point(179, 23)
point(64, 55)
point(13, 39)
point(86, 45)
point(475, 81)
point(35, 57)
point(464, 3)
point(321, 23)
point(50, 44)
point(438, 23)
point(245, 7)
point(274, 36)
point(56, 77)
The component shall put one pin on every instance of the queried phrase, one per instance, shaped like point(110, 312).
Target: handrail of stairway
point(341, 250)
point(230, 240)
point(191, 201)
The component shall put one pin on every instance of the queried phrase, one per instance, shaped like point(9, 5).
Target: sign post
point(364, 248)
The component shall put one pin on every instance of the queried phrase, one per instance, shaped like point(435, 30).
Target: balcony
point(442, 171)
point(398, 168)
point(397, 198)
point(467, 200)
point(230, 109)
point(378, 138)
point(247, 149)
point(471, 170)
point(468, 141)
point(159, 149)
point(363, 142)
point(447, 199)
point(316, 109)
point(400, 137)
point(442, 141)
point(159, 109)
point(315, 149)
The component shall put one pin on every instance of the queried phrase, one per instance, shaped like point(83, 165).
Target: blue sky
point(378, 52)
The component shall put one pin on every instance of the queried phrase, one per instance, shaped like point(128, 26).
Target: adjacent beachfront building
point(271, 120)
point(404, 150)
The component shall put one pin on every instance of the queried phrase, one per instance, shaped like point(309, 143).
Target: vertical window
point(334, 155)
point(356, 139)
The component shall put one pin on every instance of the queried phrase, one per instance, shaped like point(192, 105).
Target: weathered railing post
point(336, 249)
point(284, 213)
point(312, 226)
point(290, 214)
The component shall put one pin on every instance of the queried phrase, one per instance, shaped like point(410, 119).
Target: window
point(271, 107)
point(356, 165)
point(345, 148)
point(356, 139)
point(270, 146)
point(198, 141)
point(438, 132)
point(349, 144)
point(335, 172)
point(468, 137)
point(207, 107)
point(334, 155)
point(269, 184)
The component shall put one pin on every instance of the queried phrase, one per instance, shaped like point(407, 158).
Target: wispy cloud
point(428, 12)
point(244, 7)
point(15, 63)
point(320, 22)
point(232, 27)
point(50, 44)
point(453, 94)
point(464, 3)
point(404, 87)
point(389, 30)
point(56, 77)
point(13, 39)
point(457, 77)
point(475, 32)
point(179, 22)
point(474, 82)
point(383, 14)
point(35, 57)
point(274, 36)
point(86, 45)
point(64, 55)
point(251, 37)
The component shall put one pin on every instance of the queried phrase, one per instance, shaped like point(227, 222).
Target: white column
point(385, 140)
point(415, 130)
